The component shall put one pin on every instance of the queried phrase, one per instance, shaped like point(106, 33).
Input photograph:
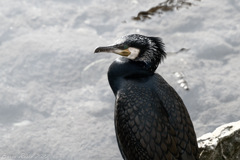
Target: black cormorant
point(151, 120)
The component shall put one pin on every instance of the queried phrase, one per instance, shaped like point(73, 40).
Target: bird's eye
point(125, 46)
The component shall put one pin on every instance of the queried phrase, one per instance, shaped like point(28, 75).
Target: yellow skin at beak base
point(125, 52)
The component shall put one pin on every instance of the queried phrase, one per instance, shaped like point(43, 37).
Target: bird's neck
point(124, 69)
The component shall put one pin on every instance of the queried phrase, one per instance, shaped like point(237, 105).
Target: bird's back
point(152, 122)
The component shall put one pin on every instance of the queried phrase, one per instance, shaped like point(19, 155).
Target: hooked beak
point(113, 49)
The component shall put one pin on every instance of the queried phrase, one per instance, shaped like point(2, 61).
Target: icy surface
point(55, 100)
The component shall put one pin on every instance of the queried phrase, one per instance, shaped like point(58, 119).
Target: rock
point(221, 144)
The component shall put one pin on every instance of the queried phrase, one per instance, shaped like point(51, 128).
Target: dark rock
point(221, 144)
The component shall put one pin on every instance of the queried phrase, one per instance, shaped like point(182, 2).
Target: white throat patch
point(134, 53)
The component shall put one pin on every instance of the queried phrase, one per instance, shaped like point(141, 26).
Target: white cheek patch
point(134, 53)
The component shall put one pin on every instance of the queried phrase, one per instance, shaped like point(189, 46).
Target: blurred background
point(55, 101)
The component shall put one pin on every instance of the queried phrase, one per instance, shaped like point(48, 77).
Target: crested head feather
point(151, 49)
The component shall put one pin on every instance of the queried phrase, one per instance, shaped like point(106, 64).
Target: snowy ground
point(55, 101)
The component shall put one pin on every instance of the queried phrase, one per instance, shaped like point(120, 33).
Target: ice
point(55, 100)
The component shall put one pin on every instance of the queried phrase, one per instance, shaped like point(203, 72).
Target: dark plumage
point(151, 120)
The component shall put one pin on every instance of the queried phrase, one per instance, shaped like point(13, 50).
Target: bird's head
point(149, 50)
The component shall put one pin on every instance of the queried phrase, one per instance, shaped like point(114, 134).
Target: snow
point(55, 100)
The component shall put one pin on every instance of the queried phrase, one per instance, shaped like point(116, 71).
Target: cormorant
point(151, 120)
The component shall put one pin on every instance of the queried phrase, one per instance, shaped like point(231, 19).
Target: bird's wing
point(142, 126)
point(119, 146)
point(179, 119)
